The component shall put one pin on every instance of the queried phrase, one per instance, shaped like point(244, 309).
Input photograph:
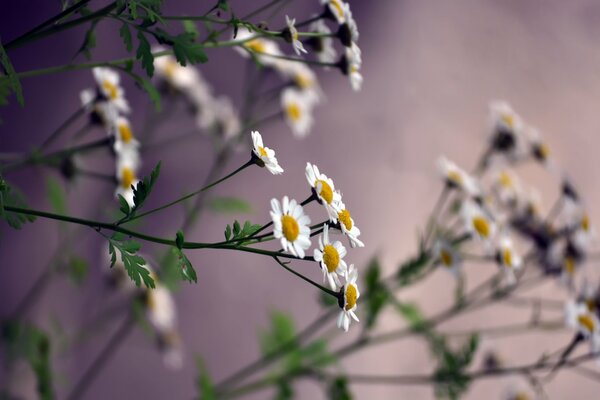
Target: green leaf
point(141, 192)
point(411, 269)
point(223, 5)
point(11, 196)
point(144, 54)
point(188, 272)
point(191, 29)
point(378, 294)
point(185, 49)
point(133, 263)
point(412, 314)
point(338, 389)
point(206, 387)
point(227, 232)
point(240, 232)
point(179, 239)
point(124, 205)
point(282, 332)
point(89, 41)
point(285, 391)
point(229, 205)
point(11, 75)
point(152, 92)
point(125, 33)
point(236, 229)
point(56, 195)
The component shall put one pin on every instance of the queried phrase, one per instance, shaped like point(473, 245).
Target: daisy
point(347, 226)
point(579, 318)
point(506, 188)
point(304, 78)
point(351, 295)
point(297, 109)
point(538, 148)
point(331, 257)
point(127, 166)
point(458, 178)
point(335, 10)
point(160, 308)
point(226, 123)
point(124, 139)
point(109, 87)
point(323, 45)
point(265, 156)
point(447, 256)
point(508, 259)
point(102, 112)
point(291, 226)
point(477, 222)
point(174, 74)
point(348, 31)
point(324, 190)
point(350, 66)
point(506, 133)
point(261, 48)
point(291, 35)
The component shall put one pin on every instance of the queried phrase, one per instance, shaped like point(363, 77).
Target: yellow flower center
point(303, 81)
point(331, 258)
point(125, 132)
point(171, 69)
point(569, 265)
point(344, 218)
point(585, 223)
point(505, 180)
point(587, 322)
point(325, 191)
point(290, 227)
point(509, 120)
point(295, 35)
point(507, 257)
point(481, 226)
point(338, 7)
point(256, 45)
point(446, 257)
point(262, 152)
point(127, 177)
point(293, 111)
point(521, 396)
point(111, 89)
point(351, 296)
point(544, 151)
point(455, 177)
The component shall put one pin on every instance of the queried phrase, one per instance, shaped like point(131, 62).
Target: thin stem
point(62, 128)
point(306, 279)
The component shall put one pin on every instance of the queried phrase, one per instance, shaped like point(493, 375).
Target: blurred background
point(430, 70)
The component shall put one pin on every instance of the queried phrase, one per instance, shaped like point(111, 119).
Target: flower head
point(506, 133)
point(124, 139)
point(351, 64)
point(127, 166)
point(458, 178)
point(350, 298)
point(330, 255)
point(109, 87)
point(322, 45)
point(265, 155)
point(183, 79)
point(579, 318)
point(477, 221)
point(447, 256)
point(291, 226)
point(335, 9)
point(508, 259)
point(348, 227)
point(324, 190)
point(261, 48)
point(297, 109)
point(160, 309)
point(291, 34)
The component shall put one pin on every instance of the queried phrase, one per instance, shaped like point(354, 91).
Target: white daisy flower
point(322, 46)
point(160, 308)
point(506, 130)
point(506, 188)
point(351, 65)
point(174, 74)
point(291, 226)
point(297, 109)
point(539, 150)
point(127, 166)
point(579, 318)
point(324, 189)
point(102, 112)
point(261, 48)
point(305, 79)
point(458, 178)
point(348, 227)
point(351, 295)
point(108, 82)
point(336, 9)
point(265, 155)
point(508, 259)
point(348, 32)
point(293, 36)
point(331, 257)
point(582, 234)
point(124, 139)
point(226, 120)
point(477, 222)
point(447, 256)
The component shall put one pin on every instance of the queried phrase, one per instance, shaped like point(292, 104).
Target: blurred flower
point(335, 9)
point(348, 30)
point(160, 308)
point(331, 257)
point(109, 87)
point(265, 155)
point(127, 166)
point(124, 139)
point(261, 48)
point(351, 295)
point(477, 222)
point(506, 134)
point(447, 256)
point(103, 112)
point(322, 45)
point(456, 177)
point(291, 35)
point(347, 226)
point(291, 226)
point(508, 259)
point(351, 64)
point(324, 190)
point(297, 109)
point(169, 343)
point(579, 318)
point(506, 188)
point(183, 79)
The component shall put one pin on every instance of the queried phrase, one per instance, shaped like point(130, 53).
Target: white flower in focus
point(108, 82)
point(322, 46)
point(348, 227)
point(458, 178)
point(265, 154)
point(351, 295)
point(508, 259)
point(297, 108)
point(127, 166)
point(330, 255)
point(477, 222)
point(296, 43)
point(324, 189)
point(291, 226)
point(336, 8)
point(125, 142)
point(447, 256)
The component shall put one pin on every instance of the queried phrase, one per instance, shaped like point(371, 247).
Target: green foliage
point(185, 49)
point(56, 195)
point(378, 294)
point(125, 33)
point(338, 389)
point(133, 263)
point(326, 300)
point(412, 315)
point(285, 391)
point(205, 385)
point(190, 28)
point(185, 266)
point(78, 269)
point(412, 268)
point(451, 377)
point(11, 196)
point(148, 10)
point(144, 54)
point(11, 79)
point(229, 205)
point(239, 232)
point(89, 41)
point(25, 341)
point(141, 192)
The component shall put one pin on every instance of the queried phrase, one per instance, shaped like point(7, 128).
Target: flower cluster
point(498, 211)
point(292, 228)
point(301, 92)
